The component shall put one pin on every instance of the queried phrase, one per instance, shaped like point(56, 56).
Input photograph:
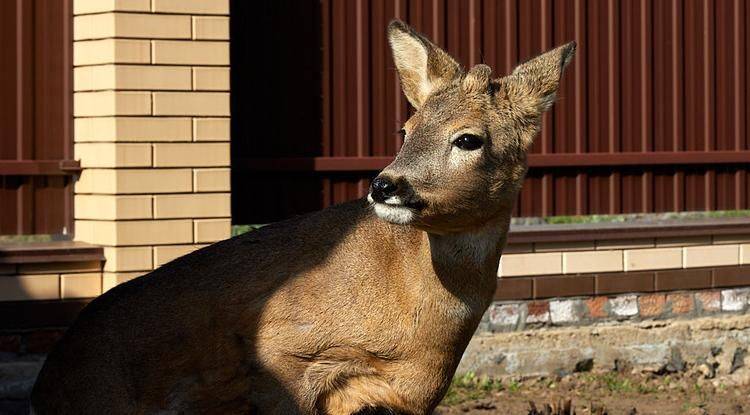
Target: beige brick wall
point(539, 259)
point(652, 259)
point(152, 133)
point(592, 261)
point(50, 281)
point(27, 287)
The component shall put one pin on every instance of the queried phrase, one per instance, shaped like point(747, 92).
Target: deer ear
point(533, 84)
point(422, 67)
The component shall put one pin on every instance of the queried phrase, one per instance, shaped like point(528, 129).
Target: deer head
point(464, 153)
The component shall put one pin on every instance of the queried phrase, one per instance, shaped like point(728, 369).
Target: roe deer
point(364, 307)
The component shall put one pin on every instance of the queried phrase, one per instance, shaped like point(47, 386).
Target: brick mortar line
point(155, 245)
point(155, 39)
point(157, 168)
point(165, 168)
point(146, 39)
point(124, 144)
point(193, 130)
point(153, 116)
point(194, 65)
point(157, 194)
point(151, 194)
point(155, 220)
point(148, 142)
point(156, 91)
point(215, 91)
point(192, 22)
point(227, 117)
point(148, 12)
point(142, 65)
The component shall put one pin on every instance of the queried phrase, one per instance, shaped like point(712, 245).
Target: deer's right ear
point(533, 84)
point(422, 66)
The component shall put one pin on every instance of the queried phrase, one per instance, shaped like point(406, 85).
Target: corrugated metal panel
point(35, 116)
point(650, 77)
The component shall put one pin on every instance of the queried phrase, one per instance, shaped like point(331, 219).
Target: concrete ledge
point(629, 231)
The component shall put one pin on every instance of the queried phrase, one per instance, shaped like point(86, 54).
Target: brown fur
point(334, 312)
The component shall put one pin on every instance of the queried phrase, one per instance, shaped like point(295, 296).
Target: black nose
point(382, 188)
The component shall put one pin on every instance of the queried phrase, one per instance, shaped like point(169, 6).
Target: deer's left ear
point(533, 84)
point(422, 66)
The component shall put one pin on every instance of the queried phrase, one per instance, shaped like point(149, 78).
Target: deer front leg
point(363, 395)
point(376, 411)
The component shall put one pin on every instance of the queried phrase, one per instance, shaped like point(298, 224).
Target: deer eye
point(468, 142)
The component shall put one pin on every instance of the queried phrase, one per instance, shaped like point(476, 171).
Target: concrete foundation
point(713, 346)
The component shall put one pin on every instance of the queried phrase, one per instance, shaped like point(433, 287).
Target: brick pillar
point(151, 113)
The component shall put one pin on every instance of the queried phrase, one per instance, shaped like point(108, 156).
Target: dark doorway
point(276, 107)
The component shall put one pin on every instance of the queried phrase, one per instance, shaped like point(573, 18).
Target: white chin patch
point(394, 214)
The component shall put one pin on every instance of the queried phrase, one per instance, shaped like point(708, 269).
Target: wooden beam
point(39, 167)
point(570, 160)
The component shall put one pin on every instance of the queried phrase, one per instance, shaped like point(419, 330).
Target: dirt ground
point(608, 393)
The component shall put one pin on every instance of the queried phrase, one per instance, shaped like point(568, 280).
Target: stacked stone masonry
point(151, 129)
point(504, 316)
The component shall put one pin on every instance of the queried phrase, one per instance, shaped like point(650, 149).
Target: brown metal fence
point(35, 117)
point(651, 116)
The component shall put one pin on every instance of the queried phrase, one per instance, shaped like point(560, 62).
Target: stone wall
point(506, 316)
point(710, 349)
point(706, 332)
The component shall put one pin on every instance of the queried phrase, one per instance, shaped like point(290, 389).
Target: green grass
point(240, 229)
point(583, 219)
point(616, 384)
point(645, 389)
point(514, 386)
point(19, 239)
point(469, 387)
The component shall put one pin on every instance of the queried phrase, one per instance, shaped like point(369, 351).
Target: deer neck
point(465, 264)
